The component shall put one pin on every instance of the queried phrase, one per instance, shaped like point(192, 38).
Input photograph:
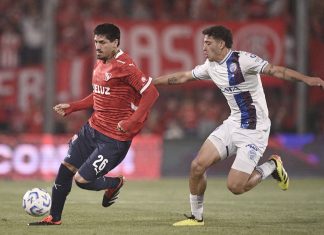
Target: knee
point(197, 169)
point(70, 167)
point(81, 185)
point(79, 179)
point(235, 188)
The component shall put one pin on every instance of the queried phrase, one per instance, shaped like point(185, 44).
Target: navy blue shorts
point(95, 154)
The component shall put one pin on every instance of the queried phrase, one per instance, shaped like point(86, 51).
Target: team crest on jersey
point(233, 67)
point(107, 76)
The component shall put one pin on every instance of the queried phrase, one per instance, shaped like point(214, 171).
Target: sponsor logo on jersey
point(231, 90)
point(233, 67)
point(107, 76)
point(144, 79)
point(103, 90)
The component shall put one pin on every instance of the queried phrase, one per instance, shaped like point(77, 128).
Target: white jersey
point(238, 77)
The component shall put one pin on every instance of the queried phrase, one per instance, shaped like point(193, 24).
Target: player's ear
point(221, 44)
point(116, 42)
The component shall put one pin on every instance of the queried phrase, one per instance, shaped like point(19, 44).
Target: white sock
point(266, 169)
point(197, 208)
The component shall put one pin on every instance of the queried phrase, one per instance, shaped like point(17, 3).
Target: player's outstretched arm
point(292, 75)
point(174, 79)
point(135, 122)
point(66, 109)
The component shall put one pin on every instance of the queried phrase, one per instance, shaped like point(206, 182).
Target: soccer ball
point(37, 202)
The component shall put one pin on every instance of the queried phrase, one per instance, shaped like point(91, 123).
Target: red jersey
point(117, 88)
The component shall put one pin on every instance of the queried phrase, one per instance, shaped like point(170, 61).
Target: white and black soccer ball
point(37, 202)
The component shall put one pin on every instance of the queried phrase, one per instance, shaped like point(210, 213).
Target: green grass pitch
point(150, 207)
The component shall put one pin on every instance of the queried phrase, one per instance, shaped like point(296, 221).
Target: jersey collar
point(226, 57)
point(119, 53)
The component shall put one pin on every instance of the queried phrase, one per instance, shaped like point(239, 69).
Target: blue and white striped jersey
point(238, 77)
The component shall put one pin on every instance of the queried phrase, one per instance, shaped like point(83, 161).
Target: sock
point(60, 190)
point(266, 169)
point(100, 183)
point(196, 203)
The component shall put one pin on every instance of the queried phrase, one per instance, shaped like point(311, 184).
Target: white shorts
point(248, 145)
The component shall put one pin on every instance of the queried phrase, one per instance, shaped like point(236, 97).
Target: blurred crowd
point(177, 114)
point(22, 28)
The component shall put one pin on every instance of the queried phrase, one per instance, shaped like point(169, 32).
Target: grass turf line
point(150, 207)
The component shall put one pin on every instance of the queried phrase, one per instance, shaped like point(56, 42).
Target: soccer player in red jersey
point(121, 99)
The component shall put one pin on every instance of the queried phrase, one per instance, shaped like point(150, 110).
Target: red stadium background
point(158, 48)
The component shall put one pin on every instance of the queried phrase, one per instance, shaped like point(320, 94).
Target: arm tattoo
point(172, 81)
point(271, 70)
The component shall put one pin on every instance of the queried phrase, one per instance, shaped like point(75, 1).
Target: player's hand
point(62, 109)
point(315, 81)
point(119, 127)
point(130, 126)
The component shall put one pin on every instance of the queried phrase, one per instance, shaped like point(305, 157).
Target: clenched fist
point(62, 109)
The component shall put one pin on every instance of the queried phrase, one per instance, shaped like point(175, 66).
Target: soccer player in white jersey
point(245, 133)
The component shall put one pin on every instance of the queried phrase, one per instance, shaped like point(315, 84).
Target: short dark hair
point(220, 32)
point(110, 31)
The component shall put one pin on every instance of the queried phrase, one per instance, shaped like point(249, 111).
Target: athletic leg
point(98, 184)
point(105, 157)
point(217, 147)
point(239, 182)
point(245, 174)
point(91, 175)
point(207, 156)
point(61, 188)
point(79, 149)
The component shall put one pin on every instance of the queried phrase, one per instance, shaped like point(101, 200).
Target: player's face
point(105, 49)
point(213, 48)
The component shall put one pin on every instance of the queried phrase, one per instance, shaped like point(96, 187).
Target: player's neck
point(222, 55)
point(113, 56)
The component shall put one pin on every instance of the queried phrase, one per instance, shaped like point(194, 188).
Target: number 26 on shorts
point(99, 164)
